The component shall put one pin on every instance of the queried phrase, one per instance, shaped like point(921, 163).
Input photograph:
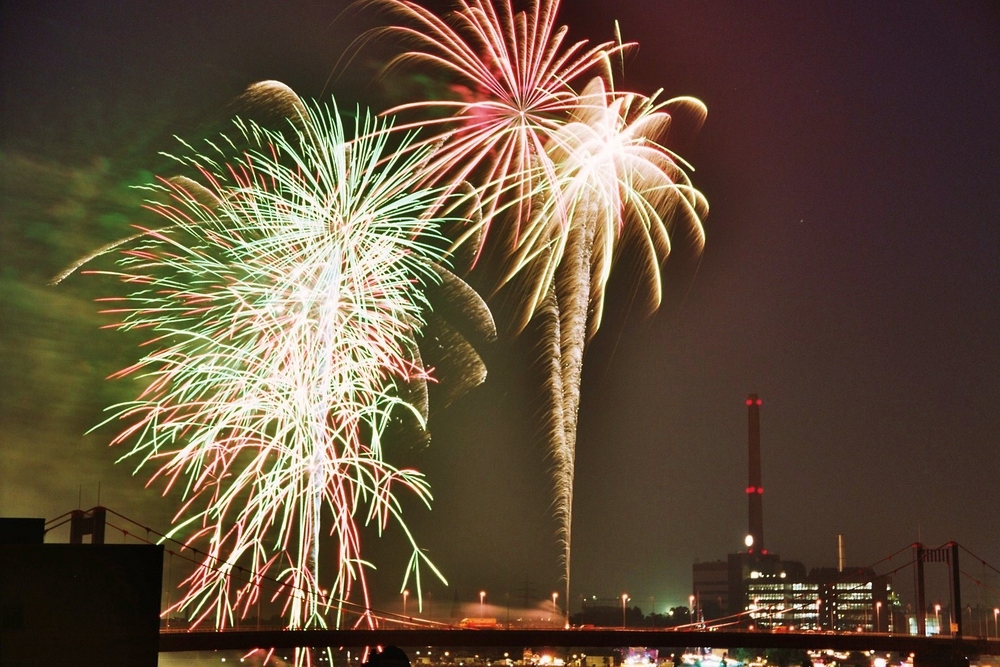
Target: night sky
point(851, 277)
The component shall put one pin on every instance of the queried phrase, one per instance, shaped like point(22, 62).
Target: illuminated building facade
point(826, 599)
point(767, 592)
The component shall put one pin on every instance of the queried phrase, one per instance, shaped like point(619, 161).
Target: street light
point(996, 626)
point(406, 594)
point(555, 609)
point(878, 617)
point(624, 600)
point(691, 608)
point(482, 601)
point(937, 616)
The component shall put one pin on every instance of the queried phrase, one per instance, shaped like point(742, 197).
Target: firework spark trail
point(612, 172)
point(613, 178)
point(565, 174)
point(514, 70)
point(517, 71)
point(283, 298)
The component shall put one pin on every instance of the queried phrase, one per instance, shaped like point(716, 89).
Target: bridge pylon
point(946, 554)
point(87, 522)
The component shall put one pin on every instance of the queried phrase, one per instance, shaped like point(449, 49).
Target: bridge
point(413, 632)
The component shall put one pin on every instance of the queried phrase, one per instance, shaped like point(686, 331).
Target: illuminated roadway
point(924, 647)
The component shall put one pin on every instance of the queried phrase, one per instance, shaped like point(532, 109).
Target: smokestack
point(840, 553)
point(755, 488)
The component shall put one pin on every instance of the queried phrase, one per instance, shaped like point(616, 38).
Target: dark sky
point(851, 277)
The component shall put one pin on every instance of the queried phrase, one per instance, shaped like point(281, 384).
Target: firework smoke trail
point(283, 300)
point(562, 171)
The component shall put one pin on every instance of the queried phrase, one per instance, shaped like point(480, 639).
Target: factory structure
point(753, 587)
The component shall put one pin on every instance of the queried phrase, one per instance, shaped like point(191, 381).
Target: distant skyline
point(851, 278)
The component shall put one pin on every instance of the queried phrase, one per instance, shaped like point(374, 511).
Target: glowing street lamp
point(555, 609)
point(624, 600)
point(406, 594)
point(878, 616)
point(690, 609)
point(937, 616)
point(482, 601)
point(996, 624)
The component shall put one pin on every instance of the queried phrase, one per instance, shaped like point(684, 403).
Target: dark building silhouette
point(77, 604)
point(22, 531)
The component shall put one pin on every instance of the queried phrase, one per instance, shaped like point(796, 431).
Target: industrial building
point(755, 588)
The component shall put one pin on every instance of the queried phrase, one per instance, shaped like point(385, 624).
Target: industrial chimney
point(755, 488)
point(840, 553)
